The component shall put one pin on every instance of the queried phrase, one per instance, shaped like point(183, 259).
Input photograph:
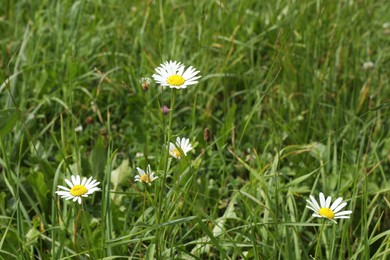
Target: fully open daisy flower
point(172, 74)
point(180, 148)
point(145, 177)
point(78, 188)
point(325, 210)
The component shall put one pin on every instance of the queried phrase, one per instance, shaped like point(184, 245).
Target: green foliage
point(8, 119)
point(295, 95)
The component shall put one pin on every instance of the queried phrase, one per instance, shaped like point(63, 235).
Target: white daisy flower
point(325, 210)
point(368, 65)
point(181, 147)
point(78, 188)
point(145, 83)
point(145, 177)
point(172, 74)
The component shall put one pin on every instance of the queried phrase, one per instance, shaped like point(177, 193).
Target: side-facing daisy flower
point(78, 188)
point(172, 74)
point(183, 144)
point(325, 210)
point(145, 83)
point(145, 177)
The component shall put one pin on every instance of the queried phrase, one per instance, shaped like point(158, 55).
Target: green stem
point(143, 223)
point(168, 135)
point(319, 239)
point(75, 230)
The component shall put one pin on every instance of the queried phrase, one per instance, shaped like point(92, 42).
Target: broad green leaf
point(8, 119)
point(98, 158)
point(227, 127)
point(120, 174)
point(2, 202)
point(117, 177)
point(32, 236)
point(38, 184)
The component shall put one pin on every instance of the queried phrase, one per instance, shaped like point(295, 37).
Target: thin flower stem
point(75, 230)
point(143, 222)
point(167, 166)
point(319, 239)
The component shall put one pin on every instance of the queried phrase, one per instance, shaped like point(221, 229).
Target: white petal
point(74, 181)
point(316, 209)
point(78, 179)
point(140, 171)
point(315, 203)
point(180, 71)
point(336, 203)
point(62, 193)
point(327, 202)
point(88, 182)
point(322, 200)
point(84, 181)
point(309, 207)
point(70, 184)
point(340, 207)
point(342, 217)
point(94, 184)
point(346, 212)
point(62, 187)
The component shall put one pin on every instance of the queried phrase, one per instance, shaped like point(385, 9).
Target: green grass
point(291, 110)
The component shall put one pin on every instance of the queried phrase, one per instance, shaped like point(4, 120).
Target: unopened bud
point(206, 135)
point(165, 110)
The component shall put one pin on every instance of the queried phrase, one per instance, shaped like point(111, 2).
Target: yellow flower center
point(176, 80)
point(145, 178)
point(78, 190)
point(176, 152)
point(326, 212)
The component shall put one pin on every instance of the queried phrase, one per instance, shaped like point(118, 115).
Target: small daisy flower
point(325, 210)
point(172, 74)
point(368, 65)
point(183, 145)
point(145, 83)
point(78, 188)
point(145, 177)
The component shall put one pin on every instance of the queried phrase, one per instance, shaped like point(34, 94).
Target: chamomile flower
point(145, 83)
point(145, 177)
point(78, 188)
point(180, 148)
point(172, 74)
point(325, 210)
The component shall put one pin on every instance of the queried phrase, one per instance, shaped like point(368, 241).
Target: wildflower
point(165, 110)
point(145, 177)
point(172, 74)
point(207, 135)
point(79, 128)
point(78, 188)
point(368, 65)
point(145, 83)
point(88, 120)
point(325, 210)
point(184, 146)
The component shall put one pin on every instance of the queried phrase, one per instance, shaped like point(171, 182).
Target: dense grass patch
point(294, 96)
